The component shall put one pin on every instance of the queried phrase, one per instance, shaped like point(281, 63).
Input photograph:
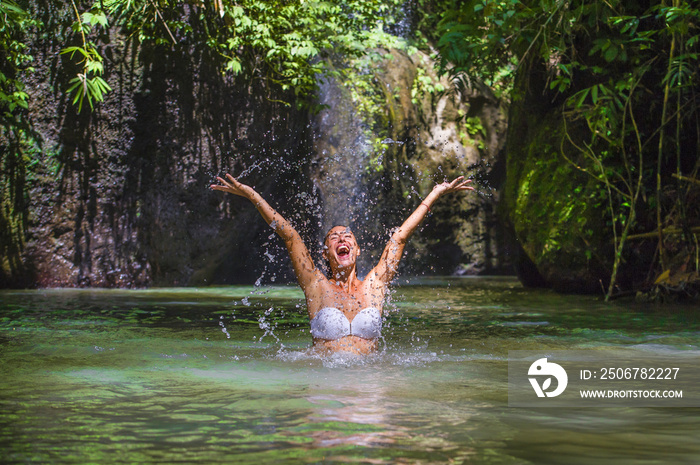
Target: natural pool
point(221, 375)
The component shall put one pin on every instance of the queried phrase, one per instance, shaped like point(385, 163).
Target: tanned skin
point(343, 289)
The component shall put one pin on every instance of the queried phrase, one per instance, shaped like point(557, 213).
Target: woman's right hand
point(232, 186)
point(304, 268)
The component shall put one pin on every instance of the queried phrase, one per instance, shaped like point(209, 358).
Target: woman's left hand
point(459, 184)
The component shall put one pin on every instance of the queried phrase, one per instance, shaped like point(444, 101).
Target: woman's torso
point(334, 308)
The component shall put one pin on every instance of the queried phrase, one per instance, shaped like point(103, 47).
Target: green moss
point(552, 204)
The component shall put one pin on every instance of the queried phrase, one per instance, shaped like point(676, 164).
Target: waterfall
point(342, 150)
point(430, 132)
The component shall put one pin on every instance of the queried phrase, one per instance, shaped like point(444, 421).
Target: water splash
point(384, 358)
point(223, 327)
point(269, 325)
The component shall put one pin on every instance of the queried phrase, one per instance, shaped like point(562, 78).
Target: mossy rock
point(557, 212)
point(430, 131)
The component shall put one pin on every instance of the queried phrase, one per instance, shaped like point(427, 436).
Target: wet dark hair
point(348, 228)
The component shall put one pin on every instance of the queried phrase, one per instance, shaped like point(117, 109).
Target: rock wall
point(430, 131)
point(118, 197)
point(553, 208)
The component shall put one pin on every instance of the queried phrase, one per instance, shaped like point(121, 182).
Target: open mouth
point(343, 251)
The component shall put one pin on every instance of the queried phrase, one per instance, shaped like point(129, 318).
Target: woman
point(345, 311)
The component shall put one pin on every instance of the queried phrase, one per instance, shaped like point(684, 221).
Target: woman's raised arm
point(385, 270)
point(304, 267)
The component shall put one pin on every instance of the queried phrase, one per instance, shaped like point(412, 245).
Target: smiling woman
point(345, 311)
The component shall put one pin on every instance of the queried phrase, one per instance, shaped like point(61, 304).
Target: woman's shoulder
point(374, 281)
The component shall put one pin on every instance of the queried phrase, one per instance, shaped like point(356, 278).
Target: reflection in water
point(149, 376)
point(362, 404)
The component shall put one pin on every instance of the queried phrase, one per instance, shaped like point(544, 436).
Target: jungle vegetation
point(624, 76)
point(622, 73)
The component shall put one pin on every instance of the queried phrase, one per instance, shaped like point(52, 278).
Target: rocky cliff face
point(553, 208)
point(119, 196)
point(422, 130)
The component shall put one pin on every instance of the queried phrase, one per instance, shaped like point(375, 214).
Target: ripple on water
point(149, 376)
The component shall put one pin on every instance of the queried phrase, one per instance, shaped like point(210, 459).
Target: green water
point(221, 375)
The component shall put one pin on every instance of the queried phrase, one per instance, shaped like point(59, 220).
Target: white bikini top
point(330, 323)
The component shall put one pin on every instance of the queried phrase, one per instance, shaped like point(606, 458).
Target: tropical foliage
point(625, 77)
point(277, 47)
point(15, 64)
point(15, 61)
point(285, 43)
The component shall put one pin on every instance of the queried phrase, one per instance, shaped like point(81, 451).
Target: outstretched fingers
point(230, 185)
point(233, 186)
point(462, 185)
point(220, 187)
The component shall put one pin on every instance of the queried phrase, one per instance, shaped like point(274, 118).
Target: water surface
point(222, 375)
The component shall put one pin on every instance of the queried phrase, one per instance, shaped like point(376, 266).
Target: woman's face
point(340, 248)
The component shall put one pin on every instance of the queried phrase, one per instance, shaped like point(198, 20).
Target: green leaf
point(610, 54)
point(93, 19)
point(234, 66)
